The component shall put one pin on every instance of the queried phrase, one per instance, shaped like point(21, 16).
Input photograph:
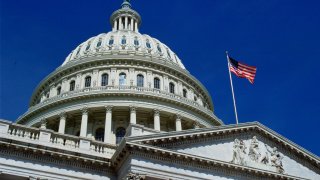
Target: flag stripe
point(242, 70)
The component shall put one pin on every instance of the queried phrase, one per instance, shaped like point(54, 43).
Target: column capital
point(178, 117)
point(63, 115)
point(84, 110)
point(108, 108)
point(133, 108)
point(156, 112)
point(43, 122)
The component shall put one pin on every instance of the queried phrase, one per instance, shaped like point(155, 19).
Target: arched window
point(120, 132)
point(171, 87)
point(156, 83)
point(87, 81)
point(99, 136)
point(195, 98)
point(122, 79)
point(111, 41)
point(159, 48)
point(140, 80)
point(123, 40)
point(78, 52)
point(148, 44)
point(72, 85)
point(136, 41)
point(59, 90)
point(104, 79)
point(99, 43)
point(184, 93)
point(168, 52)
point(88, 46)
point(47, 95)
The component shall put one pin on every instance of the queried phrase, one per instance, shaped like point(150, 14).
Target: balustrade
point(17, 131)
point(32, 135)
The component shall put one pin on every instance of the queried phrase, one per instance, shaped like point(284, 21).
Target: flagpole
point(234, 99)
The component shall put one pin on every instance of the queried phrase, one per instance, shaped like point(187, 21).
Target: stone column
point(62, 123)
point(178, 123)
point(157, 119)
point(133, 115)
point(108, 124)
point(120, 23)
point(136, 26)
point(84, 122)
point(126, 23)
point(131, 24)
point(115, 25)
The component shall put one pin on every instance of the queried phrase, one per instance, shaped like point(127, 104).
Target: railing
point(48, 138)
point(21, 132)
point(65, 140)
point(131, 89)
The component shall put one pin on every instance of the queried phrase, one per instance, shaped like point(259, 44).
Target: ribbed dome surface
point(111, 42)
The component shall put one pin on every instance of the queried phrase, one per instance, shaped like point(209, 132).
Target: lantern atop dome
point(125, 19)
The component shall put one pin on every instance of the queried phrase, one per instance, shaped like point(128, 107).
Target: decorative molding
point(63, 115)
point(156, 112)
point(84, 110)
point(108, 109)
point(135, 176)
point(133, 108)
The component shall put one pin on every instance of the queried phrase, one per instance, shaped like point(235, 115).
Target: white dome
point(103, 44)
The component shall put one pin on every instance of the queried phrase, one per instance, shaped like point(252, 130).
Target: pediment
point(251, 145)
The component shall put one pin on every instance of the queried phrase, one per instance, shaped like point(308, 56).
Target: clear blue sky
point(281, 38)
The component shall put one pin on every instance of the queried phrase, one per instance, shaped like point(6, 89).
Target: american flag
point(242, 70)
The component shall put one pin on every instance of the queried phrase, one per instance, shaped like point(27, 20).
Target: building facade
point(123, 106)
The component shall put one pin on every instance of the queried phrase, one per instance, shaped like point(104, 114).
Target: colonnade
point(118, 24)
point(108, 121)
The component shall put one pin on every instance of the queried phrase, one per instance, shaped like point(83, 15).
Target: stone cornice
point(148, 151)
point(171, 137)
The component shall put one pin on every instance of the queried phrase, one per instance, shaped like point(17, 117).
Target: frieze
point(271, 159)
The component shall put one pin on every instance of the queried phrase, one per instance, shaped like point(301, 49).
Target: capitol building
point(123, 106)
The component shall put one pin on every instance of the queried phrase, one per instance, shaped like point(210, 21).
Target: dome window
point(47, 95)
point(185, 93)
point(87, 81)
point(88, 47)
point(59, 90)
point(159, 48)
point(111, 41)
point(156, 83)
point(78, 50)
point(123, 40)
point(136, 41)
point(72, 85)
point(104, 80)
point(171, 88)
point(148, 44)
point(122, 79)
point(140, 80)
point(195, 98)
point(168, 52)
point(99, 43)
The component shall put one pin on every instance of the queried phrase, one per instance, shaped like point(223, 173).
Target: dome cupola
point(125, 18)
